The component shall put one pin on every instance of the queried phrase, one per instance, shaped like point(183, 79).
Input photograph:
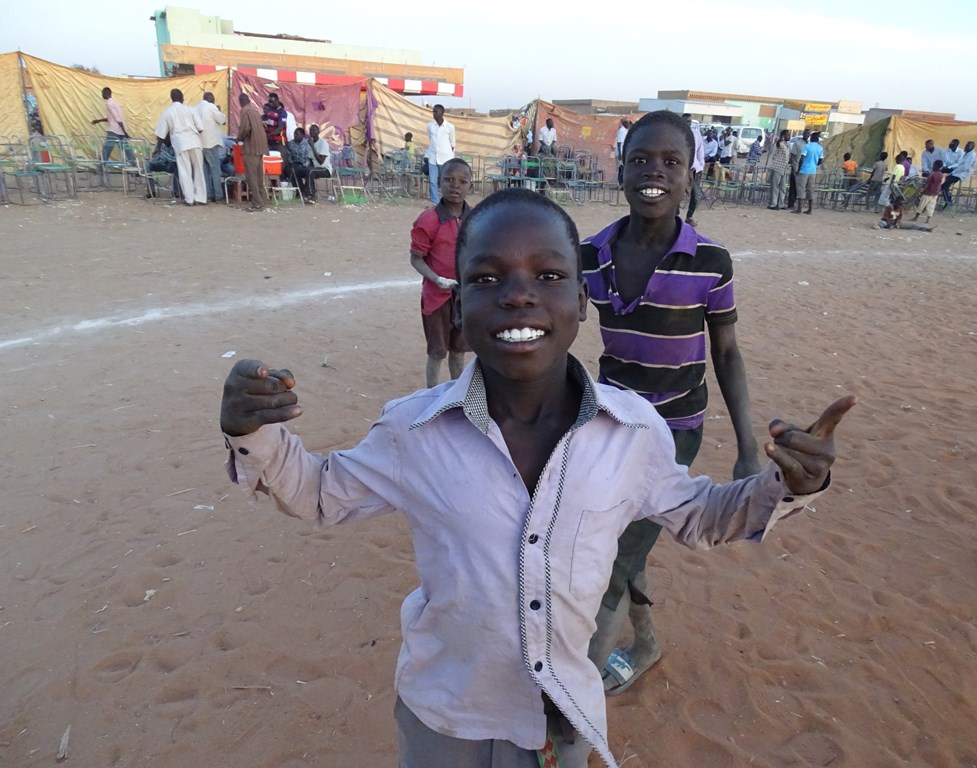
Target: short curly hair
point(662, 118)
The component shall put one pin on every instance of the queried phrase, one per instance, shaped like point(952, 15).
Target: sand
point(147, 605)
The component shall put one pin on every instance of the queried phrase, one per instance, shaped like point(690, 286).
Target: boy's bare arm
point(424, 269)
point(255, 395)
point(731, 375)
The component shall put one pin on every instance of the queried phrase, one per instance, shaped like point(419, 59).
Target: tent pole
point(21, 66)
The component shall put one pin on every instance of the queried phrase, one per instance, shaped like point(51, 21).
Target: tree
point(91, 70)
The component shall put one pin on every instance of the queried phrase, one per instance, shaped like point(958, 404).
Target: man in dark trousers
point(254, 144)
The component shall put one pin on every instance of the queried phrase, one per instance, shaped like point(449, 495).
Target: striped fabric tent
point(406, 87)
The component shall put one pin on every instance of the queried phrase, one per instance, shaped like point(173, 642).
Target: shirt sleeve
point(162, 128)
point(700, 514)
point(423, 233)
point(346, 486)
point(721, 301)
point(744, 509)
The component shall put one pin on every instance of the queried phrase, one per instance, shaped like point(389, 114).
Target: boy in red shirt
point(432, 254)
point(927, 201)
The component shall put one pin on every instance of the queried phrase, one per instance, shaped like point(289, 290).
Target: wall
point(187, 27)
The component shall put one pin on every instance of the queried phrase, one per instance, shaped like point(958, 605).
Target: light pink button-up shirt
point(113, 113)
point(510, 583)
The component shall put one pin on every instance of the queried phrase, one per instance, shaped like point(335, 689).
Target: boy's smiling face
point(656, 171)
point(521, 297)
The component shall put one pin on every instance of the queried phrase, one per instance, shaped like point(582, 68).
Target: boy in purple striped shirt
point(657, 284)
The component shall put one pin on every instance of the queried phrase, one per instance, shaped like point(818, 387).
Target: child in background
point(409, 148)
point(657, 285)
point(931, 192)
point(879, 171)
point(432, 254)
point(512, 480)
point(892, 214)
point(849, 166)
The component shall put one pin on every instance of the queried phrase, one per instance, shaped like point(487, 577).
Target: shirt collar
point(468, 394)
point(444, 215)
point(686, 242)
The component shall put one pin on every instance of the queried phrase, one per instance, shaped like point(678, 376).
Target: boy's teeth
point(519, 334)
point(652, 192)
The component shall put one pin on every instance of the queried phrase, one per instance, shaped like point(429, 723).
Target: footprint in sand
point(117, 666)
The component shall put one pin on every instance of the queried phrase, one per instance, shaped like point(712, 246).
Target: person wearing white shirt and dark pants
point(698, 164)
point(321, 162)
point(622, 134)
point(212, 138)
point(440, 148)
point(962, 171)
point(182, 126)
point(547, 138)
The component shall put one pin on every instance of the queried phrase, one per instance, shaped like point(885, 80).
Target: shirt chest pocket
point(594, 549)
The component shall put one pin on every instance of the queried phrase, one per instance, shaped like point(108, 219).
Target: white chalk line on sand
point(203, 309)
point(298, 297)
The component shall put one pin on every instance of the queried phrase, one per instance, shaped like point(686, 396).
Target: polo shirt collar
point(468, 394)
point(686, 242)
point(444, 215)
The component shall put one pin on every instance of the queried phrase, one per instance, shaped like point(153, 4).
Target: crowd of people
point(791, 164)
point(191, 144)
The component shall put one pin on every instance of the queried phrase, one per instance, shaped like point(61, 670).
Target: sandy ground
point(146, 605)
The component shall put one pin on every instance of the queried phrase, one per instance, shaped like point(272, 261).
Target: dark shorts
point(422, 747)
point(640, 536)
point(440, 333)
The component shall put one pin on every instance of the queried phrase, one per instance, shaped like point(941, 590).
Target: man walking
point(212, 139)
point(115, 132)
point(254, 144)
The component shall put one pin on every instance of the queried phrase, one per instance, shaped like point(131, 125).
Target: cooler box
point(273, 164)
point(237, 154)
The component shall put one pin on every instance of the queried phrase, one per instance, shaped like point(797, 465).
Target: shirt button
point(538, 666)
point(243, 451)
point(533, 538)
point(535, 604)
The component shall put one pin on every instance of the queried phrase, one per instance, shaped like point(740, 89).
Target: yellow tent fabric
point(911, 135)
point(894, 135)
point(68, 99)
point(395, 116)
point(13, 122)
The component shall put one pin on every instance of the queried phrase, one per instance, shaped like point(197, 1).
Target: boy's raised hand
point(806, 455)
point(255, 395)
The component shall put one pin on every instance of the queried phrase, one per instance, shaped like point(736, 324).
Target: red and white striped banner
point(407, 87)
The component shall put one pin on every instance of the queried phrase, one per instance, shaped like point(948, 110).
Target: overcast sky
point(882, 53)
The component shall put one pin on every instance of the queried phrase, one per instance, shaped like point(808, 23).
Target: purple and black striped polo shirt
point(656, 345)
